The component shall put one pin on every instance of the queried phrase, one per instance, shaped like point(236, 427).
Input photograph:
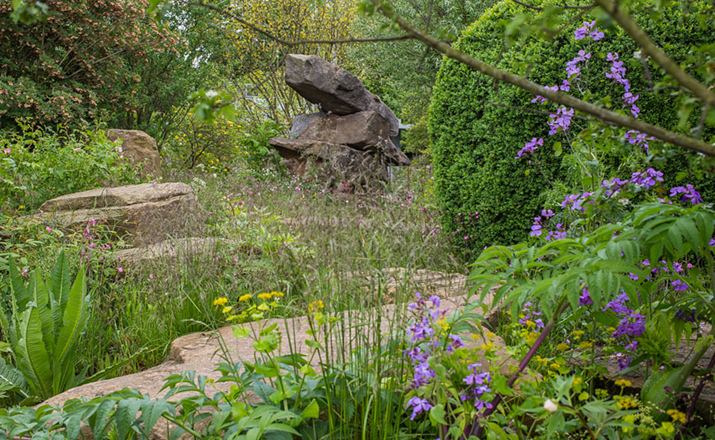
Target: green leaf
point(558, 149)
point(312, 411)
point(73, 322)
point(436, 415)
point(31, 353)
point(125, 416)
point(38, 293)
point(241, 332)
point(101, 421)
point(11, 379)
point(59, 286)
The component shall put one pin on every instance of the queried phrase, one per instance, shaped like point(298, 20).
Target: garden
point(357, 219)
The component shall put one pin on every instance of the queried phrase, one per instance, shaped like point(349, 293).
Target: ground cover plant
point(595, 321)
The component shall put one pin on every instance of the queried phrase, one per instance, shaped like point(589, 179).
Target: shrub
point(40, 164)
point(477, 125)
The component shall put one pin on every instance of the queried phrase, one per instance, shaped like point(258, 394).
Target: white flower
point(550, 406)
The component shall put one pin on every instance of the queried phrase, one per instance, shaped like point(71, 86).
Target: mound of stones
point(349, 139)
point(142, 214)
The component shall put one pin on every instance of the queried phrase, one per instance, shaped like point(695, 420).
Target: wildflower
point(613, 186)
point(558, 234)
point(277, 294)
point(265, 296)
point(418, 406)
point(120, 269)
point(635, 137)
point(585, 298)
point(677, 416)
point(550, 406)
point(626, 403)
point(561, 120)
point(562, 346)
point(151, 276)
point(689, 193)
point(647, 178)
point(530, 147)
point(220, 301)
point(315, 306)
point(48, 229)
point(679, 286)
point(245, 297)
point(536, 227)
point(7, 151)
point(226, 309)
point(623, 383)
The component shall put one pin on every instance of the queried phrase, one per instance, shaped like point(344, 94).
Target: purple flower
point(677, 267)
point(530, 147)
point(561, 120)
point(632, 324)
point(618, 305)
point(690, 317)
point(547, 213)
point(613, 186)
point(418, 406)
point(679, 286)
point(585, 298)
point(558, 234)
point(423, 374)
point(536, 228)
point(689, 193)
point(456, 341)
point(569, 200)
point(647, 178)
point(421, 330)
point(589, 30)
point(637, 138)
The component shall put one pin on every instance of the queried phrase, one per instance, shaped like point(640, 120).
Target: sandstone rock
point(140, 148)
point(302, 122)
point(181, 248)
point(143, 214)
point(336, 90)
point(362, 130)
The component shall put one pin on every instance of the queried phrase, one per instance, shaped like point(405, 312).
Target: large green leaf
point(19, 291)
point(59, 285)
point(125, 417)
point(11, 379)
point(37, 290)
point(73, 322)
point(32, 357)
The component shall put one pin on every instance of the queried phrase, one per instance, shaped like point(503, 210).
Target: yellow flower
point(555, 366)
point(220, 301)
point(626, 403)
point(245, 297)
point(577, 381)
point(623, 383)
point(577, 332)
point(442, 322)
point(315, 306)
point(530, 324)
point(585, 344)
point(265, 296)
point(278, 294)
point(677, 415)
point(562, 347)
point(487, 346)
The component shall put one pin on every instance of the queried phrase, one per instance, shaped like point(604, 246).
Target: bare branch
point(564, 6)
point(660, 57)
point(603, 114)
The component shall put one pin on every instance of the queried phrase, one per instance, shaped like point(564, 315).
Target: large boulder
point(140, 149)
point(361, 130)
point(142, 214)
point(336, 90)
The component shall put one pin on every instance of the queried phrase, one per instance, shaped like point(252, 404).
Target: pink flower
point(466, 237)
point(120, 270)
point(151, 276)
point(7, 151)
point(48, 229)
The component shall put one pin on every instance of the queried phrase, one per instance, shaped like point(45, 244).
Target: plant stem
point(477, 428)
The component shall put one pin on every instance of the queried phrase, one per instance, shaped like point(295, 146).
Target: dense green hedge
point(476, 132)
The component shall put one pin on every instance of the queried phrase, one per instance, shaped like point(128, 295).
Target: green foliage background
point(478, 125)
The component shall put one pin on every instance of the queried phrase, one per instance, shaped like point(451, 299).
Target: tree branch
point(660, 57)
point(605, 115)
point(288, 43)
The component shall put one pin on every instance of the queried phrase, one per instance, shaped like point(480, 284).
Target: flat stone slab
point(144, 214)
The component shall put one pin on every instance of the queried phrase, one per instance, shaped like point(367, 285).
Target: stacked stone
point(350, 135)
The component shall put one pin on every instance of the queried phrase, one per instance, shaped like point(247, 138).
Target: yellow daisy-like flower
point(245, 297)
point(265, 296)
point(220, 301)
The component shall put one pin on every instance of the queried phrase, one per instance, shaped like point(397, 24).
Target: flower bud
point(550, 406)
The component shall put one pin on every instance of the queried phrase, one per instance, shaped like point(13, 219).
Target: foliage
point(40, 164)
point(403, 73)
point(257, 76)
point(478, 125)
point(92, 64)
point(46, 320)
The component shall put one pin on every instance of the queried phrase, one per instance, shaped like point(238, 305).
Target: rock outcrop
point(182, 249)
point(142, 214)
point(350, 138)
point(139, 148)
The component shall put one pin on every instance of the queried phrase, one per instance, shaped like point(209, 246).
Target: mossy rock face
point(477, 125)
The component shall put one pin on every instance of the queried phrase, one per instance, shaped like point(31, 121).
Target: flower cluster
point(430, 339)
point(530, 147)
point(647, 178)
point(588, 30)
point(635, 137)
point(688, 194)
point(631, 325)
point(577, 201)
